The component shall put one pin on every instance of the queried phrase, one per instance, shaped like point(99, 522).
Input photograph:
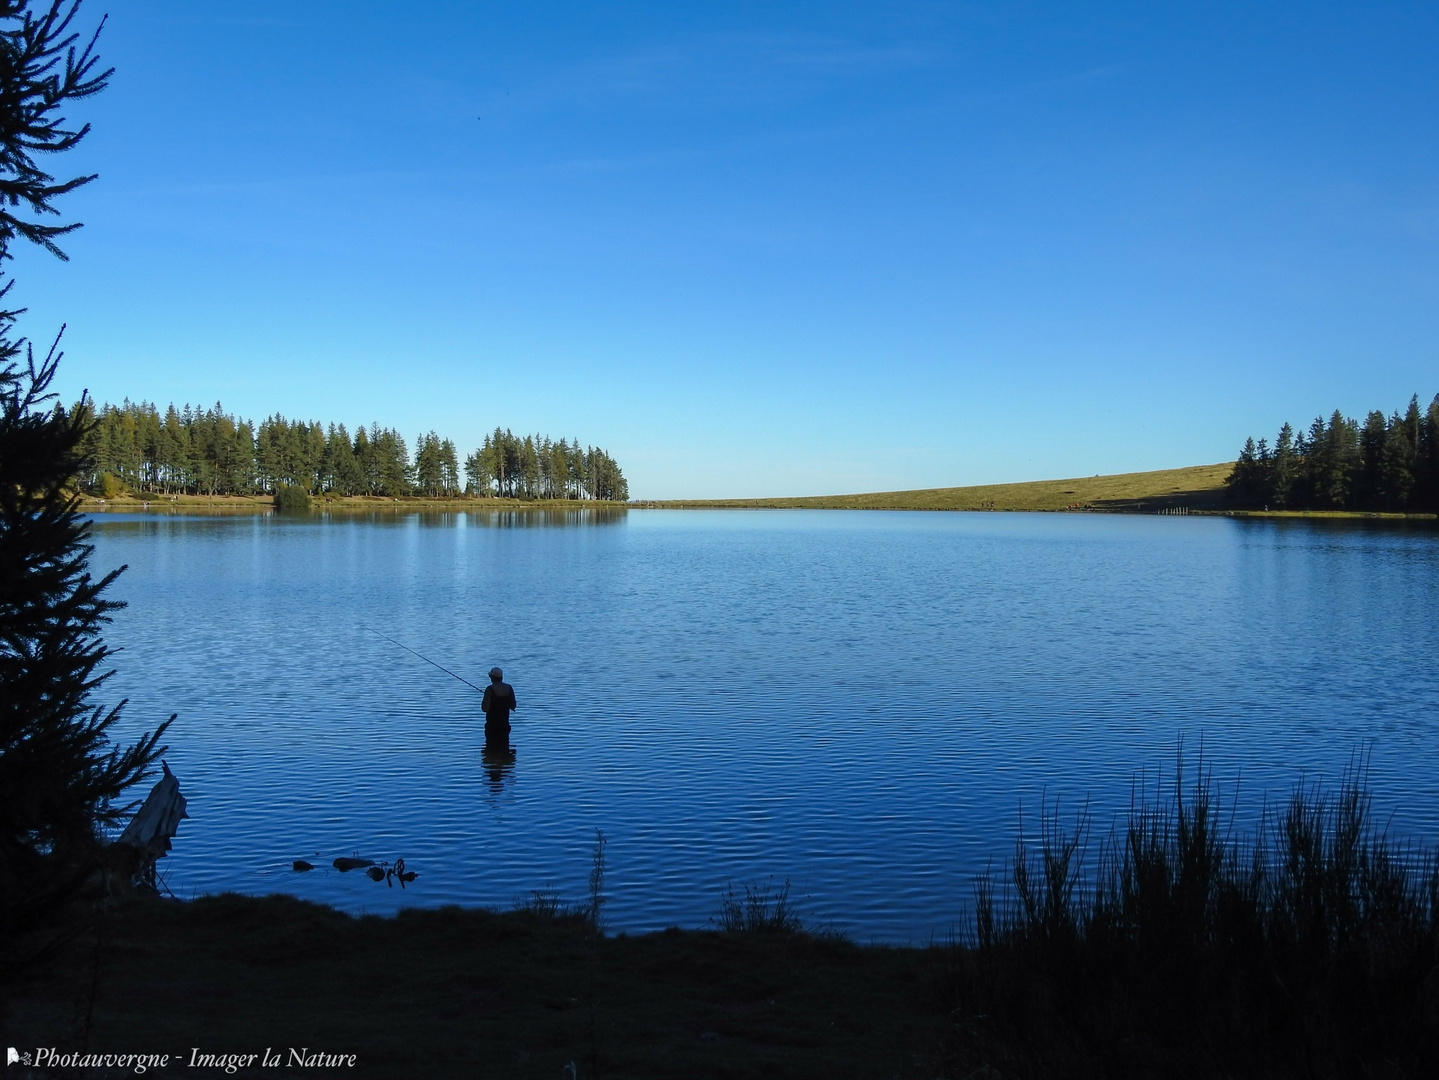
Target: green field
point(1197, 487)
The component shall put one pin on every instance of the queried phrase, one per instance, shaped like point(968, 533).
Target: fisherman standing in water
point(499, 699)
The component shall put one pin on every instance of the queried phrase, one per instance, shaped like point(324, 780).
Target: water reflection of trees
point(538, 518)
point(550, 517)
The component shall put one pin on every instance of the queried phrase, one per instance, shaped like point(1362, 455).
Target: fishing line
point(425, 658)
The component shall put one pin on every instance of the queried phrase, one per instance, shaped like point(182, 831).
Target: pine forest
point(193, 451)
point(1384, 464)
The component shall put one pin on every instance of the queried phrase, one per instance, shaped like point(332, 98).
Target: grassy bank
point(470, 993)
point(1376, 515)
point(1199, 487)
point(252, 504)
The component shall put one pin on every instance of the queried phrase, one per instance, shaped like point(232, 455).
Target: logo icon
point(12, 1056)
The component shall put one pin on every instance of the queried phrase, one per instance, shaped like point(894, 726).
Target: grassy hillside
point(1198, 487)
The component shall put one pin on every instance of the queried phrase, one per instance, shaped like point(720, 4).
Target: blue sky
point(764, 249)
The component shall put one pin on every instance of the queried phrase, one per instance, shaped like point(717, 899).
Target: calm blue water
point(860, 702)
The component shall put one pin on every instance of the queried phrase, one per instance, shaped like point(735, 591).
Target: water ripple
point(861, 703)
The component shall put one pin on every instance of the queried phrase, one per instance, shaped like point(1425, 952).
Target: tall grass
point(765, 909)
point(1306, 947)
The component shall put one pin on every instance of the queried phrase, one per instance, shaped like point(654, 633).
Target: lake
point(862, 703)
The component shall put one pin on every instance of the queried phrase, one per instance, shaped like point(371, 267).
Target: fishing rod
point(425, 658)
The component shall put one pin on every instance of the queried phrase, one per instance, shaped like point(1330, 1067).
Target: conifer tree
point(449, 467)
point(1244, 482)
point(473, 485)
point(1281, 469)
point(428, 464)
point(61, 778)
point(1368, 483)
point(1426, 468)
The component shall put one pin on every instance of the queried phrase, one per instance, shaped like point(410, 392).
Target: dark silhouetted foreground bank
point(1309, 949)
point(1306, 950)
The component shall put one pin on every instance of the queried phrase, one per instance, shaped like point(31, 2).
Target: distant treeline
point(1387, 464)
point(210, 452)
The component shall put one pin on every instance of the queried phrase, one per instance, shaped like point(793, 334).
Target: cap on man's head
point(496, 674)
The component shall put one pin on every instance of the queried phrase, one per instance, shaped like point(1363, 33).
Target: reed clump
point(1308, 947)
point(764, 909)
point(549, 905)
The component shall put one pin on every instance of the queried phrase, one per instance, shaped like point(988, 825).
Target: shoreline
point(264, 504)
point(1192, 490)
